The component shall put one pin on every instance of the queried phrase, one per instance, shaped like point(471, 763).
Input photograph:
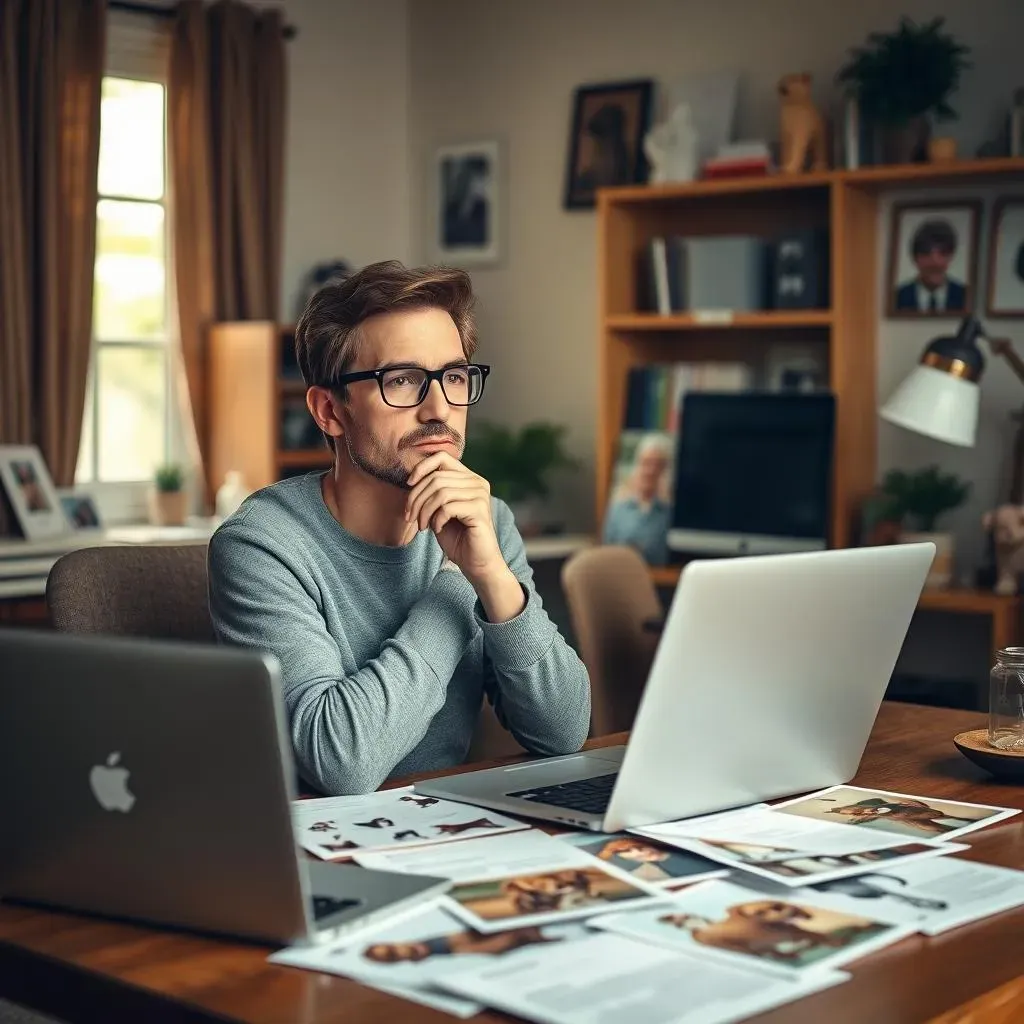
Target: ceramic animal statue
point(671, 147)
point(802, 127)
point(1006, 524)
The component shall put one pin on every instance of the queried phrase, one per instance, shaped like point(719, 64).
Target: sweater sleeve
point(348, 730)
point(536, 682)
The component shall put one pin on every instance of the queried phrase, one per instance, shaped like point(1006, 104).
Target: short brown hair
point(326, 336)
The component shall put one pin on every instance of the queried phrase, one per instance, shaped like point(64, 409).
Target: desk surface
point(87, 970)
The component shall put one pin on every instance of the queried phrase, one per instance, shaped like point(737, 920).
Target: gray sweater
point(385, 659)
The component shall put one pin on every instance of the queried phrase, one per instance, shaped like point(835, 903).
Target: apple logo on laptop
point(109, 784)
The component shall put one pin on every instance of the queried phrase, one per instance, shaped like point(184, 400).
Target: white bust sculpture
point(671, 147)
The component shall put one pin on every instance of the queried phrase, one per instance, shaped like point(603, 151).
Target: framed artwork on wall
point(1006, 259)
point(27, 483)
point(606, 141)
point(468, 184)
point(933, 257)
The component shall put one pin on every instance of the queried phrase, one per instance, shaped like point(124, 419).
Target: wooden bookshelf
point(253, 385)
point(846, 204)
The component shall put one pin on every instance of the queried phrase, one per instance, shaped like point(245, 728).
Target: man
point(640, 516)
point(933, 290)
point(393, 589)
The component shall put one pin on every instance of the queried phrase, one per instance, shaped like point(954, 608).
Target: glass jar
point(1006, 700)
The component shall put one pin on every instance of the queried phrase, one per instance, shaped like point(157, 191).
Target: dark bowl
point(1004, 764)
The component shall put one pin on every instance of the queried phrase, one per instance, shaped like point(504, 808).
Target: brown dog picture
point(728, 919)
point(895, 813)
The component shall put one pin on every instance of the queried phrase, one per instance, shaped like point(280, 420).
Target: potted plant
point(902, 79)
point(921, 498)
point(517, 464)
point(168, 500)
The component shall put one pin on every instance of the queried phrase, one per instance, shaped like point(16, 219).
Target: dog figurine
point(802, 126)
point(1006, 524)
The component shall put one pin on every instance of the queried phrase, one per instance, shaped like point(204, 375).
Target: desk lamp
point(940, 396)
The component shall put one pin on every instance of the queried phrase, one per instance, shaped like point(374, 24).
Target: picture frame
point(606, 140)
point(30, 490)
point(80, 509)
point(933, 259)
point(468, 203)
point(1006, 259)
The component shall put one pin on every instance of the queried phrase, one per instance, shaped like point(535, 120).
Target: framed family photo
point(606, 142)
point(933, 259)
point(80, 509)
point(468, 183)
point(26, 481)
point(1006, 259)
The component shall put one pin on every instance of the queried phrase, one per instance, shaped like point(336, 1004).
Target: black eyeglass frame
point(430, 375)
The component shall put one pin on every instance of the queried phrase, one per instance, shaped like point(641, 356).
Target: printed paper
point(614, 979)
point(934, 895)
point(336, 827)
point(414, 954)
point(780, 935)
point(885, 813)
point(789, 849)
point(520, 879)
point(645, 859)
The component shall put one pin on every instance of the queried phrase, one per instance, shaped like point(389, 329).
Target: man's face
point(932, 267)
point(650, 466)
point(388, 443)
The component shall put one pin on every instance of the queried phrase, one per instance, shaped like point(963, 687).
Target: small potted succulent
point(903, 81)
point(920, 498)
point(168, 499)
point(518, 464)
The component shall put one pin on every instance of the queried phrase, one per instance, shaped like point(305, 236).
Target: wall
point(507, 71)
point(347, 172)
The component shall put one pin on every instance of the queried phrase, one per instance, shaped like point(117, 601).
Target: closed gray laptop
point(153, 781)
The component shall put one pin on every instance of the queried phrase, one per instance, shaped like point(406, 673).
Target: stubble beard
point(385, 465)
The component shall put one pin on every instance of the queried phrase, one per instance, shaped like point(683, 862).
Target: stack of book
point(740, 160)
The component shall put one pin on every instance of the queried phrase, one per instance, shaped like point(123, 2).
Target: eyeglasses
point(404, 387)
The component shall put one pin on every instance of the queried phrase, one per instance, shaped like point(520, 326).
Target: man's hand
point(449, 498)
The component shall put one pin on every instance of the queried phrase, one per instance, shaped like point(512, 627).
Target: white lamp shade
point(937, 404)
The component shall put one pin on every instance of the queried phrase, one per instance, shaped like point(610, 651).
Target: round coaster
point(1008, 764)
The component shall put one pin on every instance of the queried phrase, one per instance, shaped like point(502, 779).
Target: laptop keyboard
point(590, 795)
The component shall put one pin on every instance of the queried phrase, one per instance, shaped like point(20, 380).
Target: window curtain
point(226, 123)
point(51, 71)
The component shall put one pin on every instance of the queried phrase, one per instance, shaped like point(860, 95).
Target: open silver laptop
point(767, 681)
point(153, 781)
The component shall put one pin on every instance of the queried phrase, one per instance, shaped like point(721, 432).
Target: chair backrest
point(147, 590)
point(610, 596)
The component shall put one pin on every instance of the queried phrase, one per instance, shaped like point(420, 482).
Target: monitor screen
point(753, 473)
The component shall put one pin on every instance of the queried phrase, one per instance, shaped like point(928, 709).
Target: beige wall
point(347, 170)
point(506, 70)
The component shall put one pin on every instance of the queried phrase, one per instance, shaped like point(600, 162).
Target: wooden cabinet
point(258, 419)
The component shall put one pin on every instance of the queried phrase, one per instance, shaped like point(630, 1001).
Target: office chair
point(145, 590)
point(610, 595)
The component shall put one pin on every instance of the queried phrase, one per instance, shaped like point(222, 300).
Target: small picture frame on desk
point(80, 509)
point(29, 488)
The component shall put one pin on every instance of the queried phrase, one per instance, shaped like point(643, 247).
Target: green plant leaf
point(922, 497)
point(517, 463)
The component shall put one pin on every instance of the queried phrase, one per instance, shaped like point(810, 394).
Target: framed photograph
point(1006, 259)
point(468, 183)
point(933, 256)
point(606, 144)
point(26, 480)
point(80, 509)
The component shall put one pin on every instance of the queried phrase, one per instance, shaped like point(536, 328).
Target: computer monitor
point(753, 473)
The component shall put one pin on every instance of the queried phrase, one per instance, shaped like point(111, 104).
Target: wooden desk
point(87, 970)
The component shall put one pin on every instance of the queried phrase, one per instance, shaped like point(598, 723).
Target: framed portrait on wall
point(1006, 259)
point(26, 481)
point(468, 203)
point(933, 257)
point(606, 141)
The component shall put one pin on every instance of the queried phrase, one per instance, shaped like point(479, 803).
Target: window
point(129, 425)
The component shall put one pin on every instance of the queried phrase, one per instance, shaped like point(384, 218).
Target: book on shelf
point(640, 502)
